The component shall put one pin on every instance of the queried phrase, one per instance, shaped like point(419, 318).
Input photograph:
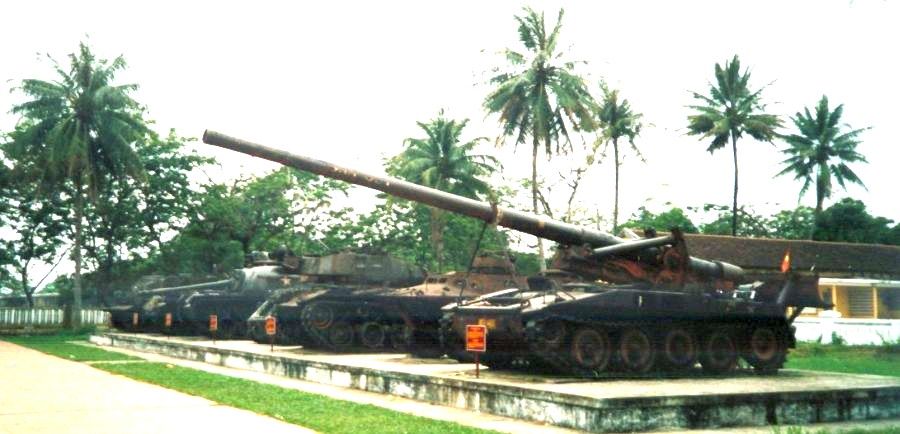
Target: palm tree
point(539, 95)
point(440, 160)
point(617, 120)
point(730, 110)
point(820, 150)
point(81, 128)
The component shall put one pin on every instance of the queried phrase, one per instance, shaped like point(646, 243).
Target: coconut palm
point(539, 97)
point(441, 160)
point(616, 120)
point(820, 151)
point(82, 128)
point(730, 110)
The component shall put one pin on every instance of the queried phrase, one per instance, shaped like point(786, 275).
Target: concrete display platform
point(745, 399)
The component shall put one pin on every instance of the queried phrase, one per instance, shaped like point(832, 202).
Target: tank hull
point(623, 329)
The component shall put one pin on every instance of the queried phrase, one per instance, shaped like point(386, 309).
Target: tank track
point(560, 360)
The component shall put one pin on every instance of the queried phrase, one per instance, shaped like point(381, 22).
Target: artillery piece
point(657, 307)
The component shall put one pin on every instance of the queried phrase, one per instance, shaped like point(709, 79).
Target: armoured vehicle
point(657, 307)
point(232, 299)
point(331, 302)
point(375, 305)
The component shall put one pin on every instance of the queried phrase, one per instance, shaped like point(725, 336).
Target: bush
point(837, 340)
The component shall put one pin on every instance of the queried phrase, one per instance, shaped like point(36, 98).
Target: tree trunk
point(75, 317)
point(734, 215)
point(615, 225)
point(820, 199)
point(437, 237)
point(534, 201)
point(23, 273)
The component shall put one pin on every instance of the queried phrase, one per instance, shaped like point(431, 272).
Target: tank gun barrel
point(561, 232)
point(218, 284)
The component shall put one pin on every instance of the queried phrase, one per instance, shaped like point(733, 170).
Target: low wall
point(852, 331)
point(857, 398)
point(17, 318)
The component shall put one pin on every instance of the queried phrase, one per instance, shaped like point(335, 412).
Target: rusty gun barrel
point(563, 233)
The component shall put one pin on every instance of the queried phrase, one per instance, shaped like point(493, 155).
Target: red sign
point(213, 323)
point(135, 319)
point(786, 261)
point(476, 338)
point(168, 319)
point(270, 326)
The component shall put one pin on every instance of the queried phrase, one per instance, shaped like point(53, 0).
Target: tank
point(643, 304)
point(335, 296)
point(367, 308)
point(232, 298)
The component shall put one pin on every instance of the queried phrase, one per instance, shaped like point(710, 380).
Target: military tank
point(651, 306)
point(375, 304)
point(331, 302)
point(232, 299)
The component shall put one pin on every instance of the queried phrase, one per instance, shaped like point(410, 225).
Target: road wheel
point(372, 335)
point(718, 352)
point(766, 349)
point(551, 336)
point(679, 348)
point(591, 348)
point(636, 351)
point(340, 335)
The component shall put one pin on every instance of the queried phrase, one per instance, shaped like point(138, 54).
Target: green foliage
point(540, 95)
point(851, 359)
point(442, 162)
point(821, 149)
point(754, 225)
point(849, 221)
point(673, 218)
point(729, 111)
point(794, 224)
point(80, 129)
point(82, 126)
point(70, 346)
point(38, 213)
point(403, 229)
point(285, 207)
point(616, 120)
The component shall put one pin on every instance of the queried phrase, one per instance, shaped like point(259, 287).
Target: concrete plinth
point(792, 397)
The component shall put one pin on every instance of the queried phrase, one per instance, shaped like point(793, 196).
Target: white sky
point(346, 81)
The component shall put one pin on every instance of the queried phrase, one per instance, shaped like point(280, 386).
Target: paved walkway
point(45, 394)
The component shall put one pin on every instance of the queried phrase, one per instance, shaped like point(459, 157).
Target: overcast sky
point(346, 81)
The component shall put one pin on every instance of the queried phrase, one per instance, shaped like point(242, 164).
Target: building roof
point(829, 259)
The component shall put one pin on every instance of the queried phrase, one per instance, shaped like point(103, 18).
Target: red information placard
point(476, 338)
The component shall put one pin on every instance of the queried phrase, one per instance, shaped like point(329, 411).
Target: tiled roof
point(827, 258)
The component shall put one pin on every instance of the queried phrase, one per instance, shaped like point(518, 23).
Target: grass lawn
point(874, 360)
point(317, 412)
point(62, 346)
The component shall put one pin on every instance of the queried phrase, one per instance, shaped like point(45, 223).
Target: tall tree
point(820, 151)
point(730, 110)
point(617, 120)
point(538, 95)
point(440, 160)
point(82, 127)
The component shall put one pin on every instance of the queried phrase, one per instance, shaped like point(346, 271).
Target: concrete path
point(45, 394)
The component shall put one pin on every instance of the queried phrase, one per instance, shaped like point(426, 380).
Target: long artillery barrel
point(563, 233)
point(218, 284)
